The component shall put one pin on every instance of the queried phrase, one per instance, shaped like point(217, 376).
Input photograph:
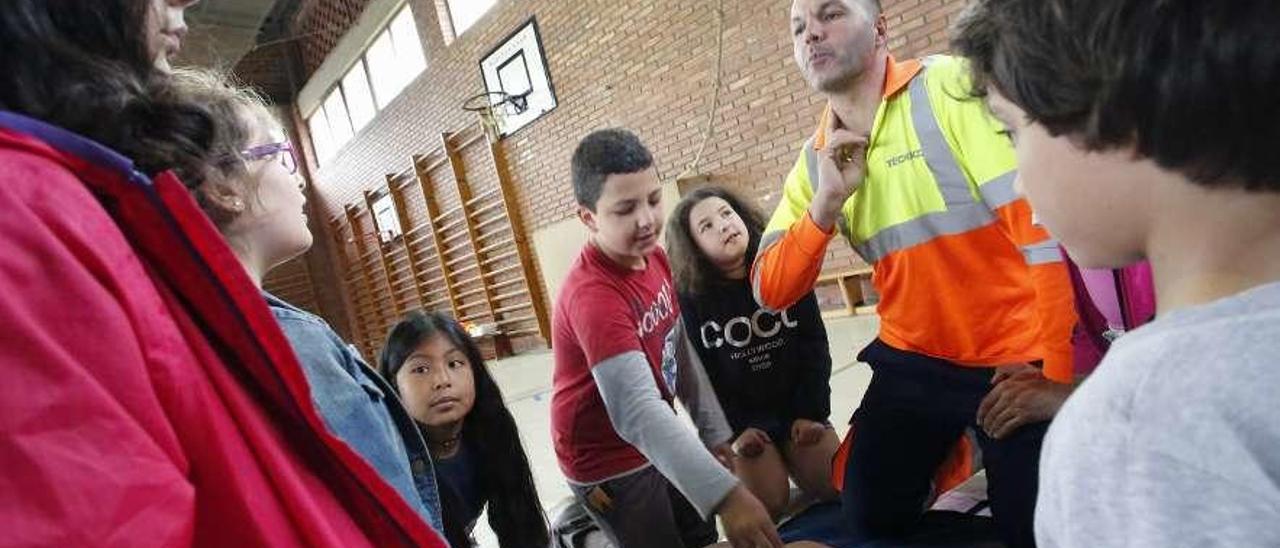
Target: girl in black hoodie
point(770, 370)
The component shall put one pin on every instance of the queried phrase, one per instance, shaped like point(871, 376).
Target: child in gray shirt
point(1148, 130)
point(1174, 441)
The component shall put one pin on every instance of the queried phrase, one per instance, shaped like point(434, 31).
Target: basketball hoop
point(493, 107)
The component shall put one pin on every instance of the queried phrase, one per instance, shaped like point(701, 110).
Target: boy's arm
point(603, 325)
point(643, 419)
point(696, 394)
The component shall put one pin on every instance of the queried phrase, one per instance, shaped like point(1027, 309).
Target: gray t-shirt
point(1175, 440)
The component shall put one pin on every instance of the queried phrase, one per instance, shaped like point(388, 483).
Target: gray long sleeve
point(697, 395)
point(642, 418)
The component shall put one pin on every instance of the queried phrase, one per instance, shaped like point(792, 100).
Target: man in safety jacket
point(919, 179)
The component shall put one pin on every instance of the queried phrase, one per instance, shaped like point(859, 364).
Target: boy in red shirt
point(621, 357)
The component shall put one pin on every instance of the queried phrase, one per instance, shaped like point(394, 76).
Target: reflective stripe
point(937, 154)
point(769, 239)
point(766, 241)
point(811, 164)
point(999, 192)
point(811, 167)
point(963, 212)
point(1045, 252)
point(922, 229)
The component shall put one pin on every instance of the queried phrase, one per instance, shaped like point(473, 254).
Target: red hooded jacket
point(149, 397)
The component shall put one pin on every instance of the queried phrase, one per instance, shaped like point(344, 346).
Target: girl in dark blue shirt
point(443, 380)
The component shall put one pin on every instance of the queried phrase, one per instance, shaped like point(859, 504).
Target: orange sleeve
point(788, 263)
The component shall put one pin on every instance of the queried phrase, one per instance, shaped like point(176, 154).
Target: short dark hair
point(693, 272)
point(603, 153)
point(1189, 84)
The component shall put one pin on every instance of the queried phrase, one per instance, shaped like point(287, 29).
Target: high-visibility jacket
point(962, 271)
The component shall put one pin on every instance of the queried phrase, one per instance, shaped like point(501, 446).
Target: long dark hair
point(692, 270)
point(85, 67)
point(489, 430)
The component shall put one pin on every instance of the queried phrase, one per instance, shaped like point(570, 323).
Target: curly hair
point(237, 111)
point(603, 153)
point(692, 270)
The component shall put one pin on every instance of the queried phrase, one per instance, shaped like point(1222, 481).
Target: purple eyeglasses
point(283, 148)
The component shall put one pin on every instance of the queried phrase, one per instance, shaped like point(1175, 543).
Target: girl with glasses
point(256, 198)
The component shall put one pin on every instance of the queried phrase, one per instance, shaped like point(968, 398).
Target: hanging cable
point(692, 167)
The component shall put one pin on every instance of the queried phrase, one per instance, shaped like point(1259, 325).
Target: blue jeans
point(912, 414)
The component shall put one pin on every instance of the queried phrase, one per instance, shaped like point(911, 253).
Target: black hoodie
point(765, 367)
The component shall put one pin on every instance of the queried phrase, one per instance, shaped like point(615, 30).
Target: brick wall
point(647, 65)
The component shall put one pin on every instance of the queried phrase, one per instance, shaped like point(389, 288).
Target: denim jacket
point(360, 408)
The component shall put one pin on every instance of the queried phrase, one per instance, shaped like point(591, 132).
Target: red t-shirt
point(605, 309)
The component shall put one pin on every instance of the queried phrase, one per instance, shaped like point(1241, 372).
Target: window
point(395, 58)
point(465, 13)
point(385, 218)
point(382, 68)
point(320, 135)
point(408, 46)
point(381, 73)
point(355, 86)
point(335, 110)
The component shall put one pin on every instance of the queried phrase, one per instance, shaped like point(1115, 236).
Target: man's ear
point(588, 218)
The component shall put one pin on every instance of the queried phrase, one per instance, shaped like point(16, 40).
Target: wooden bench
point(850, 284)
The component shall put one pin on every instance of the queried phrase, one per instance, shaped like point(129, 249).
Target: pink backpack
point(1109, 303)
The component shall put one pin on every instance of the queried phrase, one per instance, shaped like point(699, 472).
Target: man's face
point(834, 41)
point(1096, 203)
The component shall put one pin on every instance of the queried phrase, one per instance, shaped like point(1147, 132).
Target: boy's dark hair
point(693, 272)
point(603, 153)
point(502, 467)
point(1190, 84)
point(85, 67)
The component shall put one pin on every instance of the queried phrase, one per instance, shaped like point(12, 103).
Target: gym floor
point(526, 382)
